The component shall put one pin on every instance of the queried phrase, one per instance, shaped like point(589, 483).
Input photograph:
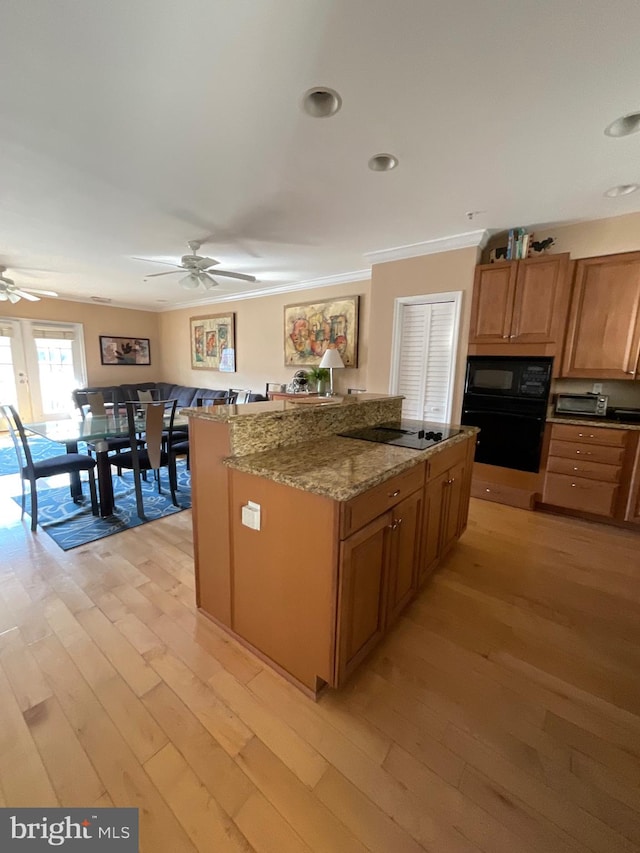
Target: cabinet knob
point(393, 525)
point(505, 337)
point(398, 522)
point(395, 494)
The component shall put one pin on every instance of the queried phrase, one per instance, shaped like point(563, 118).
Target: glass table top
point(91, 429)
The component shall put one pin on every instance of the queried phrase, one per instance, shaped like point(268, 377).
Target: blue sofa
point(185, 395)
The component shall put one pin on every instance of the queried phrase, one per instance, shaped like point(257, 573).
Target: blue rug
point(71, 525)
point(41, 448)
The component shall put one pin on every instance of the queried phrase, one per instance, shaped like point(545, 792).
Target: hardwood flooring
point(500, 715)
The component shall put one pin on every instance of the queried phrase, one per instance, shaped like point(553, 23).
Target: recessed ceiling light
point(320, 102)
point(162, 300)
point(383, 163)
point(101, 299)
point(623, 189)
point(624, 126)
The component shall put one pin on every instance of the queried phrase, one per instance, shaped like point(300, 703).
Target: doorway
point(425, 342)
point(41, 362)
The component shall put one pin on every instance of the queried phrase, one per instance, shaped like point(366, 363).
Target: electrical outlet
point(597, 388)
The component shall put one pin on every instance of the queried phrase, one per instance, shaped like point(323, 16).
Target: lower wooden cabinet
point(589, 471)
point(632, 512)
point(318, 585)
point(377, 579)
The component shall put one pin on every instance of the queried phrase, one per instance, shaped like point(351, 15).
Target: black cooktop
point(405, 433)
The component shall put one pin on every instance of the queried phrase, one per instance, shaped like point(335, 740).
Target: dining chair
point(213, 401)
point(156, 425)
point(274, 388)
point(238, 395)
point(65, 463)
point(96, 404)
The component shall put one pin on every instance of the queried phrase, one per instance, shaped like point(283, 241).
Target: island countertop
point(336, 467)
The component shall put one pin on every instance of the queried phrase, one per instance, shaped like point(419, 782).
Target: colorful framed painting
point(213, 342)
point(311, 327)
point(117, 350)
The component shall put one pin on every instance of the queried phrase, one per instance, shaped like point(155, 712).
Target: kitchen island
point(308, 545)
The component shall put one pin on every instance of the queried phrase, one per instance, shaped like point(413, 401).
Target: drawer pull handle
point(395, 494)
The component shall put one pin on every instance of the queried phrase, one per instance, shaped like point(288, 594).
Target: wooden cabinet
point(377, 575)
point(364, 560)
point(603, 340)
point(520, 302)
point(404, 553)
point(445, 505)
point(632, 512)
point(586, 469)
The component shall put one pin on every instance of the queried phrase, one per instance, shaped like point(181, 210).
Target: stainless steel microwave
point(587, 405)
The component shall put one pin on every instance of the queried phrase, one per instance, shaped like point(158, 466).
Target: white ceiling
point(128, 127)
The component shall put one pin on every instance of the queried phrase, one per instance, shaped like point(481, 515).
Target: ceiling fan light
point(190, 282)
point(208, 281)
point(3, 296)
point(13, 297)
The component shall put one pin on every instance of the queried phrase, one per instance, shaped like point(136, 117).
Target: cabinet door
point(452, 516)
point(604, 321)
point(541, 300)
point(364, 559)
point(431, 525)
point(633, 505)
point(492, 307)
point(404, 554)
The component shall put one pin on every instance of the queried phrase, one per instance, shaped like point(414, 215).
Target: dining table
point(95, 430)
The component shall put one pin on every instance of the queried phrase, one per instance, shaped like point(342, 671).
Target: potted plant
point(319, 376)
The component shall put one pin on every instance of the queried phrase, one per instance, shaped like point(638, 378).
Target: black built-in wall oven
point(507, 397)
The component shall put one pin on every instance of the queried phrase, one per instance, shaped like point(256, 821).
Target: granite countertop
point(306, 404)
point(592, 422)
point(336, 467)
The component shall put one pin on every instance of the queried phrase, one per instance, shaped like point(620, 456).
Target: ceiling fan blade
point(153, 261)
point(25, 295)
point(241, 275)
point(169, 272)
point(208, 281)
point(41, 292)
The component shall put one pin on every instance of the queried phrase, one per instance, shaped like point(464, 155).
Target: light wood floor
point(501, 715)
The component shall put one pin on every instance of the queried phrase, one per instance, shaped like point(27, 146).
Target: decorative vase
point(321, 387)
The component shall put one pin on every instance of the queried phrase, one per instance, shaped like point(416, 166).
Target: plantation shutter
point(424, 372)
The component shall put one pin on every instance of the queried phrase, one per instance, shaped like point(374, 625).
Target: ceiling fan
point(10, 292)
point(197, 269)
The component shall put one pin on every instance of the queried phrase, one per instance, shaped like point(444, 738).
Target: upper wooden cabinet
point(520, 302)
point(603, 339)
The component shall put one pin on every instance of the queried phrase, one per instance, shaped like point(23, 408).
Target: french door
point(40, 364)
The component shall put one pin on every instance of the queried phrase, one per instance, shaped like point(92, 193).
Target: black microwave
point(509, 376)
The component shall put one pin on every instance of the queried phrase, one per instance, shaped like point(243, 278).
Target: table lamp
point(331, 359)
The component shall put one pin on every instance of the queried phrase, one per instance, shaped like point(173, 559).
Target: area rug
point(41, 448)
point(71, 525)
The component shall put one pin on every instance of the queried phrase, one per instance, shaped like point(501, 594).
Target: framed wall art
point(213, 342)
point(311, 327)
point(117, 350)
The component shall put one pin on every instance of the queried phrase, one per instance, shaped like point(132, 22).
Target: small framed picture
point(116, 350)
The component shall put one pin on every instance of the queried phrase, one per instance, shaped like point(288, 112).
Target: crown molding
point(470, 239)
point(310, 284)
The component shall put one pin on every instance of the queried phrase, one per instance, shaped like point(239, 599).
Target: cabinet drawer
point(589, 434)
point(446, 458)
point(581, 494)
point(581, 468)
point(369, 505)
point(586, 452)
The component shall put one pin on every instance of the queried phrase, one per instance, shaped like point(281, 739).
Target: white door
point(40, 365)
point(424, 349)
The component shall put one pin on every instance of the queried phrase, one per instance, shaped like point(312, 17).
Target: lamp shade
point(331, 358)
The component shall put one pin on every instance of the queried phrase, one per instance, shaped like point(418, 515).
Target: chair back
point(148, 395)
point(275, 387)
point(95, 402)
point(237, 395)
point(19, 438)
point(213, 401)
point(156, 422)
